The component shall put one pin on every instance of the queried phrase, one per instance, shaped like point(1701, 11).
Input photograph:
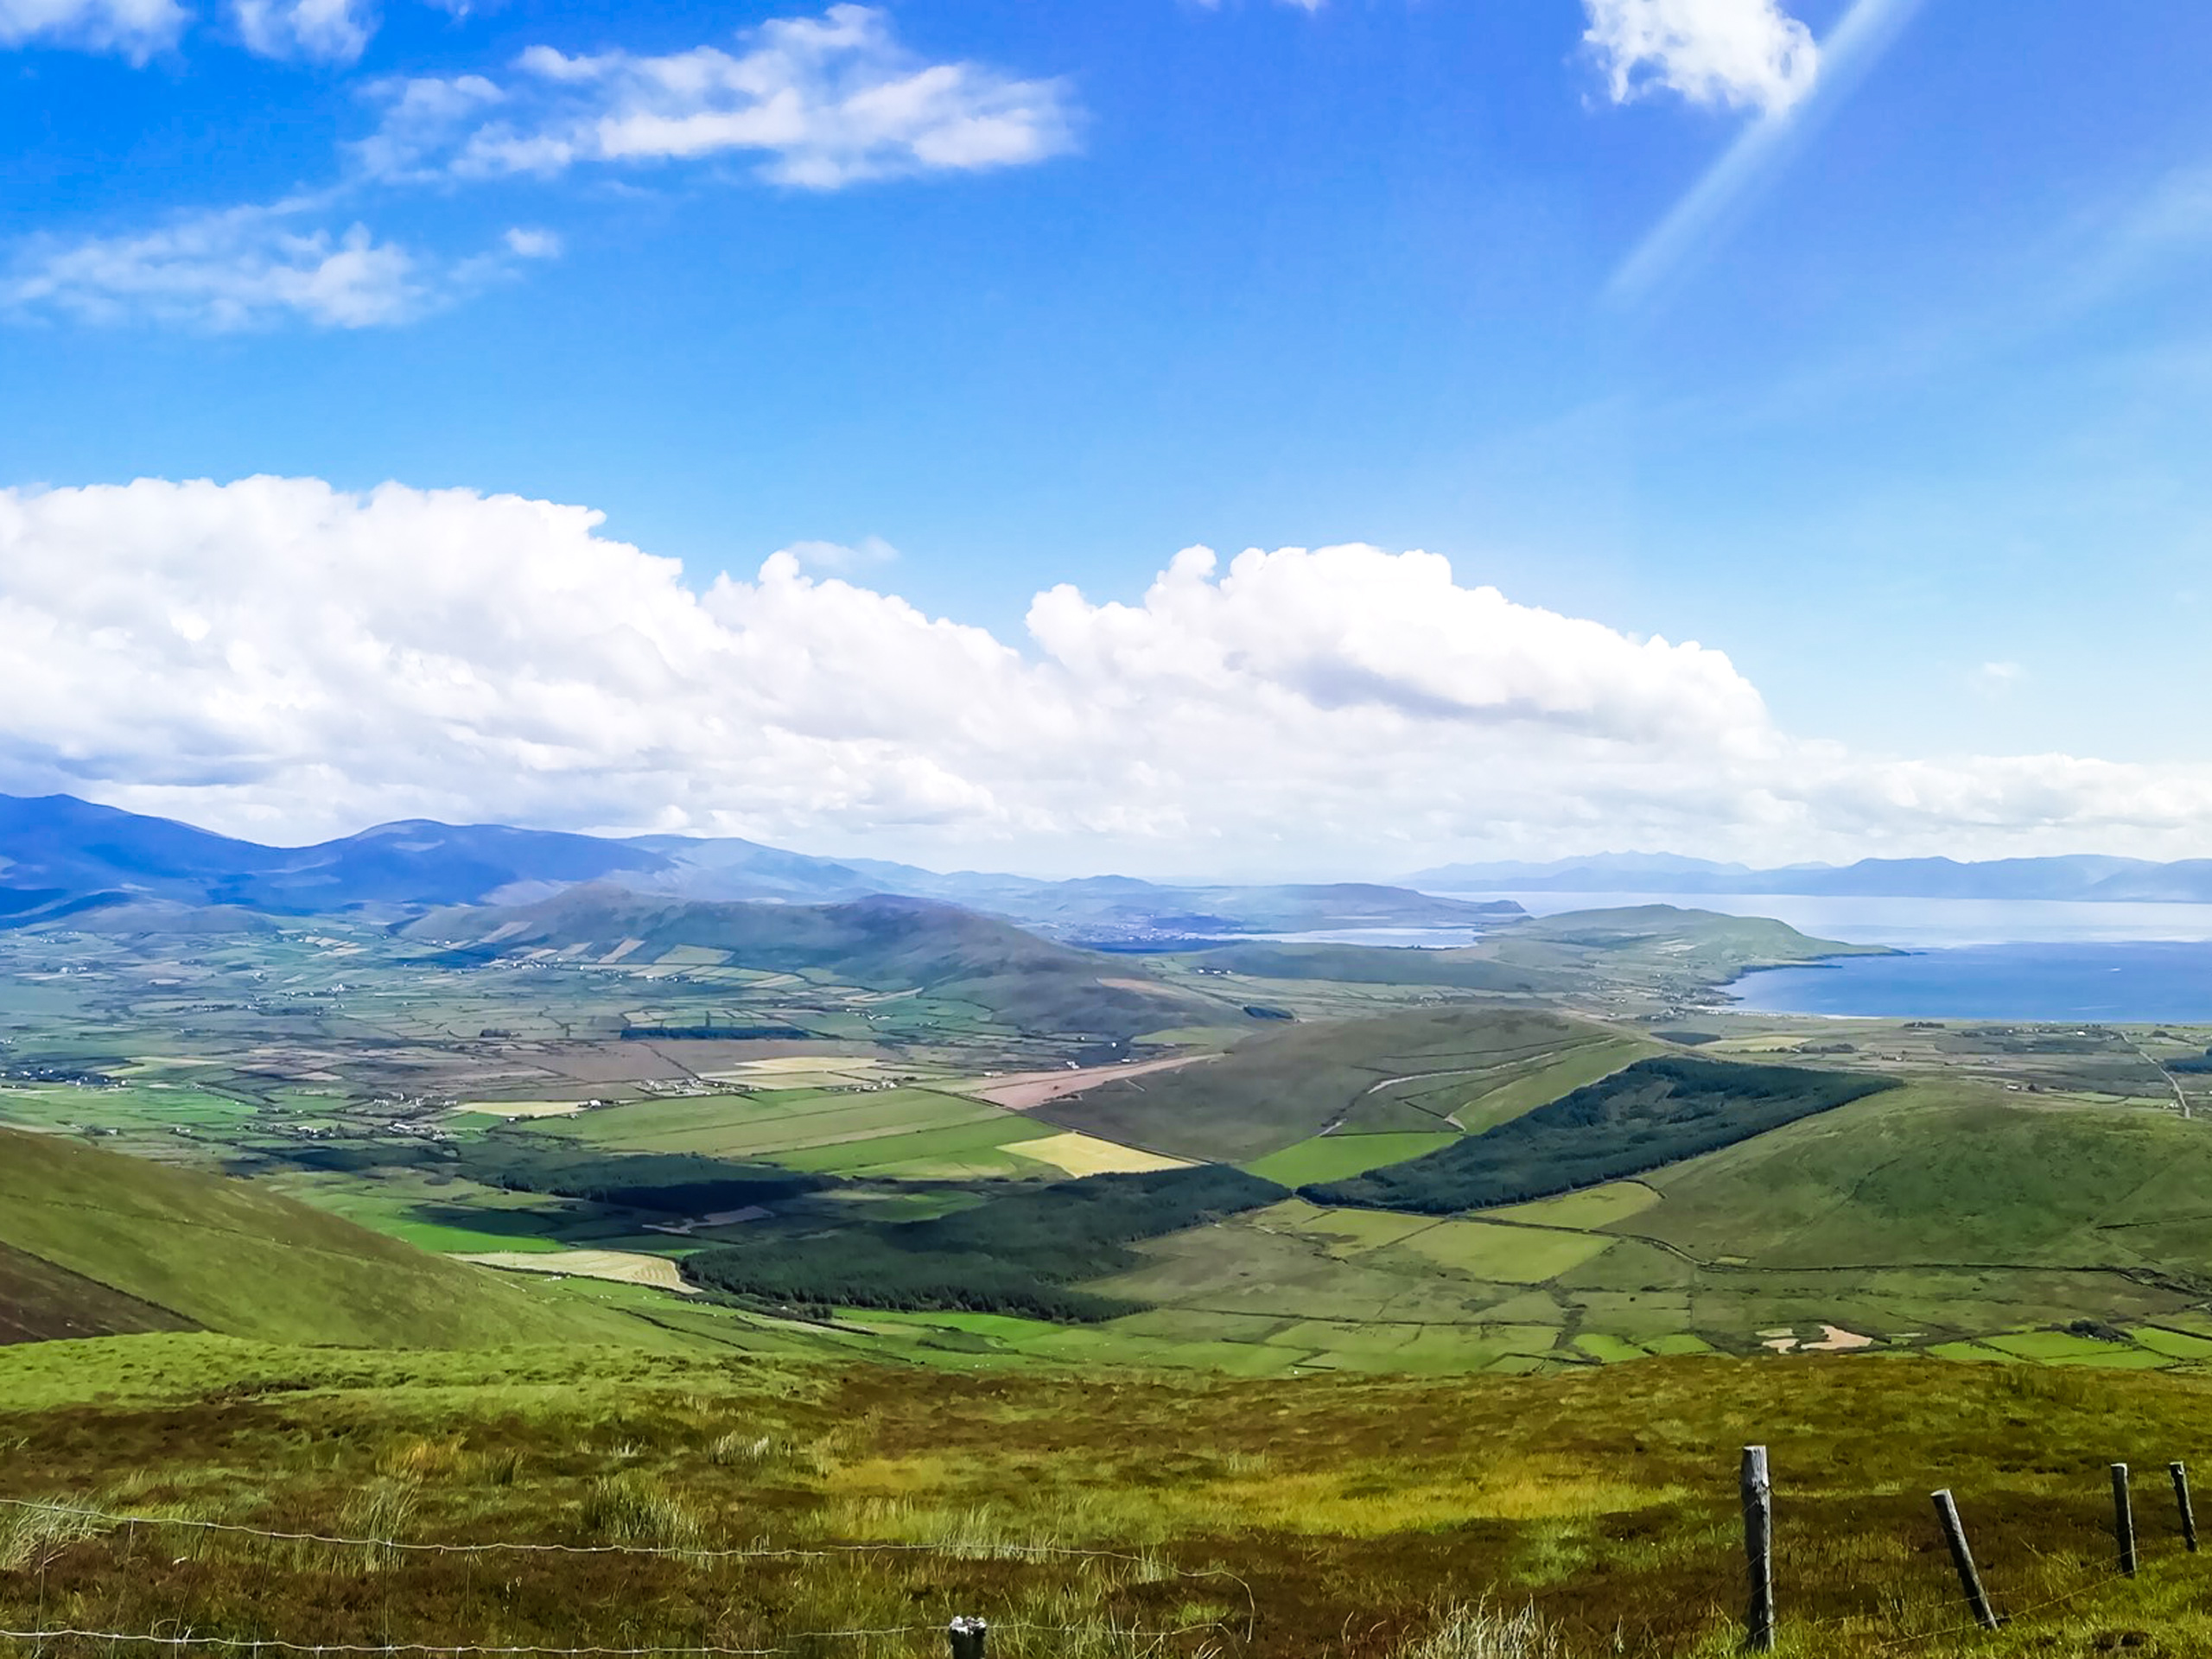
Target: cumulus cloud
point(1735, 53)
point(249, 267)
point(818, 103)
point(277, 656)
point(137, 28)
point(323, 31)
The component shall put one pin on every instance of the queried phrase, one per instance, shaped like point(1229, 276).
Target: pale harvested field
point(518, 1109)
point(801, 1071)
point(623, 1267)
point(1086, 1155)
point(1021, 1091)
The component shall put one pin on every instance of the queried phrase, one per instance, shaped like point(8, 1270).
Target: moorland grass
point(1338, 1515)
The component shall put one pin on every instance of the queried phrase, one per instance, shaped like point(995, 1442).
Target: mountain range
point(2072, 876)
point(101, 867)
point(62, 857)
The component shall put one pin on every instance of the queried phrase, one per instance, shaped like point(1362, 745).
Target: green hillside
point(1954, 1173)
point(1646, 1116)
point(1554, 955)
point(886, 944)
point(1397, 1073)
point(114, 1243)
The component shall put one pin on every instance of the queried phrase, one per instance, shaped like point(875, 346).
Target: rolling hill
point(95, 1243)
point(883, 943)
point(1423, 1070)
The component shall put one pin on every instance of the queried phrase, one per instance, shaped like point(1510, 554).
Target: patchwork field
point(2027, 1180)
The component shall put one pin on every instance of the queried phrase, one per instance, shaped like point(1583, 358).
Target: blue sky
point(1908, 427)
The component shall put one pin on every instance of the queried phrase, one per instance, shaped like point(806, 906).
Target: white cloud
point(245, 268)
point(1738, 53)
point(277, 656)
point(137, 28)
point(821, 102)
point(324, 31)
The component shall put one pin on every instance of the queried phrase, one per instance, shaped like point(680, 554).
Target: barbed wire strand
point(2003, 1619)
point(233, 1643)
point(823, 1552)
point(1150, 1564)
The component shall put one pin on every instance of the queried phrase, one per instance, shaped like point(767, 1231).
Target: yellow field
point(623, 1267)
point(802, 1071)
point(517, 1108)
point(1086, 1155)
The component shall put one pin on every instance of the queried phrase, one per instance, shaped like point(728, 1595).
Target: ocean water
point(1418, 939)
point(1970, 958)
point(2135, 982)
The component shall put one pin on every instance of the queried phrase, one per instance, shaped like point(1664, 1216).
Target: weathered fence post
point(2123, 1519)
point(2180, 1472)
point(1759, 1549)
point(967, 1635)
point(1962, 1557)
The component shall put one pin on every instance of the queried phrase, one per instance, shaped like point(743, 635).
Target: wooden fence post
point(2180, 1472)
point(2123, 1519)
point(1962, 1557)
point(967, 1635)
point(1759, 1549)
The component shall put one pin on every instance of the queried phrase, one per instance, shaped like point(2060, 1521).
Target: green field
point(1333, 1157)
point(771, 1123)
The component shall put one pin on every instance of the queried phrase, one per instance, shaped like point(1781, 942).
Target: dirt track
point(1019, 1091)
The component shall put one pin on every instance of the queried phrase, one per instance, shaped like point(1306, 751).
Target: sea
point(1965, 958)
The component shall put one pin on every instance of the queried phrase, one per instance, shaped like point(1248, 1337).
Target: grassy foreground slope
point(123, 1244)
point(1405, 1071)
point(1261, 1520)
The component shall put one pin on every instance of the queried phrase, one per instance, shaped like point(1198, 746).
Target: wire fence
point(187, 1639)
point(972, 1551)
point(1761, 1622)
point(83, 1521)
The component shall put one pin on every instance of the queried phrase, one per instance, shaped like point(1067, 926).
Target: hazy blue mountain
point(2073, 877)
point(61, 857)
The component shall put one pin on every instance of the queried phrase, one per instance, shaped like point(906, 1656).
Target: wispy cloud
point(136, 29)
point(821, 102)
point(1756, 155)
point(815, 102)
point(251, 267)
